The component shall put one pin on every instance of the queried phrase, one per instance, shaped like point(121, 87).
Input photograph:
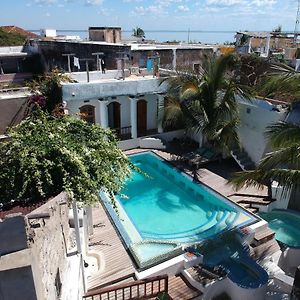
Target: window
point(87, 113)
point(196, 68)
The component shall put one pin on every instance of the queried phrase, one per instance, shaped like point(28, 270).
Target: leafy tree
point(11, 38)
point(207, 102)
point(49, 87)
point(282, 164)
point(138, 32)
point(46, 155)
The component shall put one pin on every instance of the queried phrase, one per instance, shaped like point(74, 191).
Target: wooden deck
point(178, 290)
point(106, 242)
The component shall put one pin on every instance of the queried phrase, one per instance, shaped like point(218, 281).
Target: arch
point(114, 116)
point(87, 113)
point(141, 117)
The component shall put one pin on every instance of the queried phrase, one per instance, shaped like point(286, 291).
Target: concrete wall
point(109, 35)
point(51, 53)
point(184, 58)
point(255, 117)
point(109, 88)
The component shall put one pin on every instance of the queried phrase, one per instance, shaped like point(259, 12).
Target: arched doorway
point(142, 117)
point(87, 113)
point(114, 116)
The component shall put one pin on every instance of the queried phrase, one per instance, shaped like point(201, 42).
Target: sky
point(219, 15)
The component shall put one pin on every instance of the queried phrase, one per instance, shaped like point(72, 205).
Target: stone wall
point(43, 253)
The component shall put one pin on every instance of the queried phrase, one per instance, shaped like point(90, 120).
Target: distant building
point(105, 34)
point(266, 43)
point(46, 33)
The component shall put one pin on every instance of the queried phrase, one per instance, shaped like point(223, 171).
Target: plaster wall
point(109, 88)
point(254, 121)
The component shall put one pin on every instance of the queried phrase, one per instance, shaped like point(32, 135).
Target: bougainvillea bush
point(46, 155)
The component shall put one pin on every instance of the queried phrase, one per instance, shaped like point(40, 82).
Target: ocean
point(206, 37)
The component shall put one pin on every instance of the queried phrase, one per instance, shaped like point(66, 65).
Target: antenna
point(296, 32)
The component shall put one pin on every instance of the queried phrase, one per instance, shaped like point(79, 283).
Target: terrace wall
point(254, 121)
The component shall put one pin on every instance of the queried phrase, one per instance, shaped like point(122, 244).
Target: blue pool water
point(167, 207)
point(286, 225)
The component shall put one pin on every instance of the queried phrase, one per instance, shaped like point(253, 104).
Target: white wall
point(255, 117)
point(111, 87)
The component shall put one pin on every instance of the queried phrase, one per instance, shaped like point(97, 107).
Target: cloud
point(94, 2)
point(183, 8)
point(152, 9)
point(104, 12)
point(45, 2)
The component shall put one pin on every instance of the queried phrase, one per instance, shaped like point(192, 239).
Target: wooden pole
point(69, 60)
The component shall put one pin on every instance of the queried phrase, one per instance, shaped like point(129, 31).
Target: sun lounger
point(208, 156)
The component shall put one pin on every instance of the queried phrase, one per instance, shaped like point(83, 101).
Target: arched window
point(87, 113)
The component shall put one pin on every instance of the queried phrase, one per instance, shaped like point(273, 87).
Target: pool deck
point(116, 264)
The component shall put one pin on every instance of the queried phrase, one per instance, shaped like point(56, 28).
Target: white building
point(129, 106)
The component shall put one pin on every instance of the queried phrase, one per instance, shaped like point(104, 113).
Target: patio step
point(265, 249)
point(252, 200)
point(243, 159)
point(263, 236)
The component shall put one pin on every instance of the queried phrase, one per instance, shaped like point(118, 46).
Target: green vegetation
point(206, 102)
point(46, 155)
point(48, 86)
point(11, 39)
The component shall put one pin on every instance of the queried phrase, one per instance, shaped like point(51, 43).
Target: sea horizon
point(197, 36)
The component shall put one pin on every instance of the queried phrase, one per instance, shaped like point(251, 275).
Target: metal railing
point(140, 289)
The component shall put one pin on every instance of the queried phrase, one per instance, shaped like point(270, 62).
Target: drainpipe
point(78, 241)
point(76, 226)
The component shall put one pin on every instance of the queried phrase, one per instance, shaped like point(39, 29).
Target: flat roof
point(103, 28)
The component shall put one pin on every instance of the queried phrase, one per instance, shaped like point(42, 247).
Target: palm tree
point(281, 165)
point(281, 81)
point(207, 102)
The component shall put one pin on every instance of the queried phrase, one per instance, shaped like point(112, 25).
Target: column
point(103, 114)
point(160, 112)
point(174, 61)
point(133, 117)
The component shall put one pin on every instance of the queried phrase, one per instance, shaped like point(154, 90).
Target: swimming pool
point(286, 225)
point(166, 209)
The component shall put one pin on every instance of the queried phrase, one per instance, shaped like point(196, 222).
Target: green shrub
point(46, 155)
point(11, 39)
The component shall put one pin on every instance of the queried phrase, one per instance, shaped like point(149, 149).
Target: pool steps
point(217, 221)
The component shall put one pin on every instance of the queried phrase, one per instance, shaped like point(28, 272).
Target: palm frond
point(283, 134)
